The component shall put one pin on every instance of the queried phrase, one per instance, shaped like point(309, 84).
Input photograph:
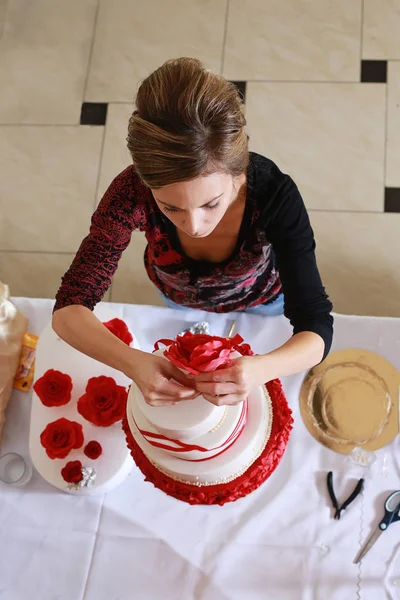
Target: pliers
point(357, 490)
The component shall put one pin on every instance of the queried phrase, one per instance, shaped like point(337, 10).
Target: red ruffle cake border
point(256, 474)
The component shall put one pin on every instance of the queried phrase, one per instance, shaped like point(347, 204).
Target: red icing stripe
point(183, 447)
point(243, 485)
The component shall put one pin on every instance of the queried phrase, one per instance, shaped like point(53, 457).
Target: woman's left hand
point(234, 383)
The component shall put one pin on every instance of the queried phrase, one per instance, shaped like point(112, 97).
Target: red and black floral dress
point(274, 253)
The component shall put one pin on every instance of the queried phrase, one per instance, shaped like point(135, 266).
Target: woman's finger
point(222, 375)
point(168, 402)
point(175, 390)
point(159, 399)
point(174, 373)
point(161, 403)
point(218, 389)
point(230, 399)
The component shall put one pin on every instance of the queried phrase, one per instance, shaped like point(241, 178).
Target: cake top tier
point(191, 353)
point(184, 421)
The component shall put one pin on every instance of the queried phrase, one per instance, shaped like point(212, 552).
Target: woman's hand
point(234, 383)
point(160, 382)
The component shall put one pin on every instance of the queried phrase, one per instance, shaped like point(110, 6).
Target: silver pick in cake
point(88, 479)
point(200, 327)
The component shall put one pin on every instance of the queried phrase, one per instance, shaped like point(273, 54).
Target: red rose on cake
point(93, 450)
point(54, 388)
point(244, 349)
point(200, 353)
point(104, 402)
point(72, 472)
point(119, 328)
point(60, 437)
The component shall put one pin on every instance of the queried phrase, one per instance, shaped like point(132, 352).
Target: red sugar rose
point(119, 328)
point(54, 388)
point(60, 437)
point(244, 350)
point(93, 450)
point(104, 402)
point(72, 472)
point(200, 353)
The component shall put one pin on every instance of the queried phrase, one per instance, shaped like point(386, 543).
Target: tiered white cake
point(197, 442)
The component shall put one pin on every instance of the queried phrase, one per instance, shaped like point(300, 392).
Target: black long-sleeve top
point(274, 253)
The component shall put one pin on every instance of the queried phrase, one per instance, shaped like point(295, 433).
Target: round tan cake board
point(350, 400)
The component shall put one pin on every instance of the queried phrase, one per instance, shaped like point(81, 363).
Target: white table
point(280, 543)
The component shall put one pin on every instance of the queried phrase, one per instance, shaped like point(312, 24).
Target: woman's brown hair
point(189, 122)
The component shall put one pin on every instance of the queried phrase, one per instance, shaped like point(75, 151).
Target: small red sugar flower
point(93, 450)
point(119, 328)
point(72, 472)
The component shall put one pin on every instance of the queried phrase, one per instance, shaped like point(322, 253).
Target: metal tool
point(232, 329)
point(204, 327)
point(338, 509)
point(199, 327)
point(392, 514)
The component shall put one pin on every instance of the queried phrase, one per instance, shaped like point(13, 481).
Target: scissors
point(392, 514)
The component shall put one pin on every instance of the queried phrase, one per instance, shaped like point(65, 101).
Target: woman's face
point(197, 206)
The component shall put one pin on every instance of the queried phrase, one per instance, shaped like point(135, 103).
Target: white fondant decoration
point(115, 463)
point(185, 421)
point(227, 466)
point(179, 421)
point(214, 440)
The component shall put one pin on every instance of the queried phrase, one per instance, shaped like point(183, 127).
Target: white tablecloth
point(280, 543)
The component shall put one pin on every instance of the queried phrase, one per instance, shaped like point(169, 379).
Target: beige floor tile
point(381, 31)
point(3, 8)
point(44, 59)
point(34, 275)
point(47, 186)
point(393, 126)
point(290, 40)
point(328, 136)
point(358, 256)
point(131, 283)
point(134, 37)
point(116, 155)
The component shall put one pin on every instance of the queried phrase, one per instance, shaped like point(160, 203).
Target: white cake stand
point(115, 462)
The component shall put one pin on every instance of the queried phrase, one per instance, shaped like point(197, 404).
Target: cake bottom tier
point(251, 479)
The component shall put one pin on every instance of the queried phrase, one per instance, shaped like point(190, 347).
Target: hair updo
point(189, 122)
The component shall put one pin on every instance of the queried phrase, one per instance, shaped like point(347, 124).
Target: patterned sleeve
point(118, 214)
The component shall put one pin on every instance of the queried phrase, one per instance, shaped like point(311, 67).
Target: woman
point(226, 231)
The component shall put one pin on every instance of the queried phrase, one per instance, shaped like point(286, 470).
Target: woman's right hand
point(160, 382)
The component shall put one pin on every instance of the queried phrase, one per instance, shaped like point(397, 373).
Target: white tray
point(115, 462)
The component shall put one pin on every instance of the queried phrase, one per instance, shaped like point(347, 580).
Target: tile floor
point(322, 94)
